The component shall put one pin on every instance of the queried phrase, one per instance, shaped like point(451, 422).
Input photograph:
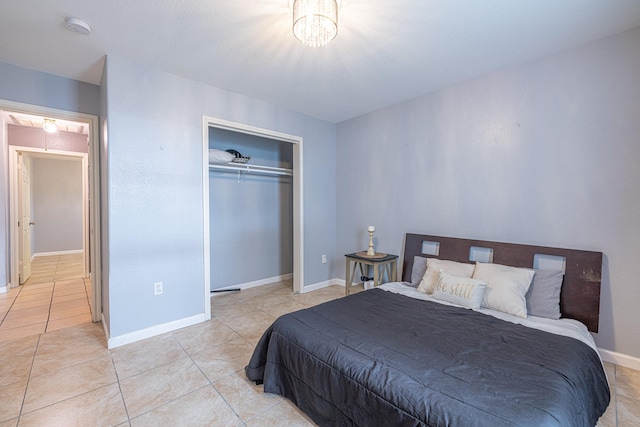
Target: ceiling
point(386, 52)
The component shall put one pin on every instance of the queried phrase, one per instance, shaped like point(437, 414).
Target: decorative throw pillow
point(506, 287)
point(459, 290)
point(219, 156)
point(434, 265)
point(543, 297)
point(418, 270)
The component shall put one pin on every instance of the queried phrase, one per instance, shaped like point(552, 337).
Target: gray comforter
point(381, 359)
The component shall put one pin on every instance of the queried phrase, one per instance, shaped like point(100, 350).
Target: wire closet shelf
point(244, 168)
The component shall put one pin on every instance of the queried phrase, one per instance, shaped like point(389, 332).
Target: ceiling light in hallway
point(49, 125)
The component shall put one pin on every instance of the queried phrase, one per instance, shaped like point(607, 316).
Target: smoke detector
point(78, 25)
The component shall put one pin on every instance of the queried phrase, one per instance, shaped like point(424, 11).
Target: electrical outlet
point(324, 259)
point(157, 288)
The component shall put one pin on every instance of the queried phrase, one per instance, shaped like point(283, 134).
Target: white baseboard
point(319, 285)
point(620, 359)
point(4, 289)
point(262, 282)
point(118, 341)
point(57, 253)
point(256, 283)
point(340, 282)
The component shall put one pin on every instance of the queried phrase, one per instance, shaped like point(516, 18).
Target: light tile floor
point(190, 377)
point(55, 297)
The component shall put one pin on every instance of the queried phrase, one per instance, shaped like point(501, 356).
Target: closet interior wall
point(250, 214)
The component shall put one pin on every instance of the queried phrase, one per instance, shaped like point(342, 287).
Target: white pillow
point(459, 290)
point(506, 287)
point(434, 265)
point(219, 156)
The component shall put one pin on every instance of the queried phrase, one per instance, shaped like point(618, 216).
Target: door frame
point(298, 226)
point(15, 208)
point(21, 163)
point(93, 191)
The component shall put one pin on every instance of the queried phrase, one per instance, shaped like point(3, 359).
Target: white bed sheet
point(567, 327)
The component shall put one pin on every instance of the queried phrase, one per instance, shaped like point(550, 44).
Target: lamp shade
point(315, 22)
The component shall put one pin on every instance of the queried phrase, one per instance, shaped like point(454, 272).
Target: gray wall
point(57, 204)
point(32, 87)
point(155, 189)
point(251, 215)
point(47, 90)
point(545, 153)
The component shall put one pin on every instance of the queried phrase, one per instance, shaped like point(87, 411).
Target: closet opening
point(253, 207)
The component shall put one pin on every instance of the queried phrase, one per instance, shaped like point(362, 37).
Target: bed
point(395, 355)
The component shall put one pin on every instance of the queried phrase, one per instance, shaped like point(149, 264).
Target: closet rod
point(268, 170)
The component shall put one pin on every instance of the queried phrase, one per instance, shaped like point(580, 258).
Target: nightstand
point(381, 263)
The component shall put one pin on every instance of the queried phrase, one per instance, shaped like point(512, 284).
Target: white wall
point(546, 153)
point(155, 189)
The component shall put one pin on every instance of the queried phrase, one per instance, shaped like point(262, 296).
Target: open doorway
point(50, 201)
point(72, 150)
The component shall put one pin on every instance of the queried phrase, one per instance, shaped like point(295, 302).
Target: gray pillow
point(543, 296)
point(418, 270)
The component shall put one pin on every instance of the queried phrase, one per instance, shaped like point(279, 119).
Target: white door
point(25, 223)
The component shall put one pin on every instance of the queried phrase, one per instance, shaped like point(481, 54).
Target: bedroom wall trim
point(152, 331)
point(325, 284)
point(620, 359)
point(256, 283)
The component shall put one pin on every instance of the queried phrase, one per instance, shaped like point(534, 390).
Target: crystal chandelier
point(315, 22)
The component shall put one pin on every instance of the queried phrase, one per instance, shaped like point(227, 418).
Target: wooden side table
point(380, 263)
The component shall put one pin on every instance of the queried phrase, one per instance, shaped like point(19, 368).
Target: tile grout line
point(24, 396)
point(243, 421)
point(124, 402)
point(53, 290)
point(11, 306)
point(65, 400)
point(208, 379)
point(172, 400)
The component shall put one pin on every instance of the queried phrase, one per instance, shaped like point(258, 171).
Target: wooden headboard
point(580, 295)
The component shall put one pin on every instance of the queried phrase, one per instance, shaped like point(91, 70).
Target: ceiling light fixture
point(49, 125)
point(78, 26)
point(315, 22)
